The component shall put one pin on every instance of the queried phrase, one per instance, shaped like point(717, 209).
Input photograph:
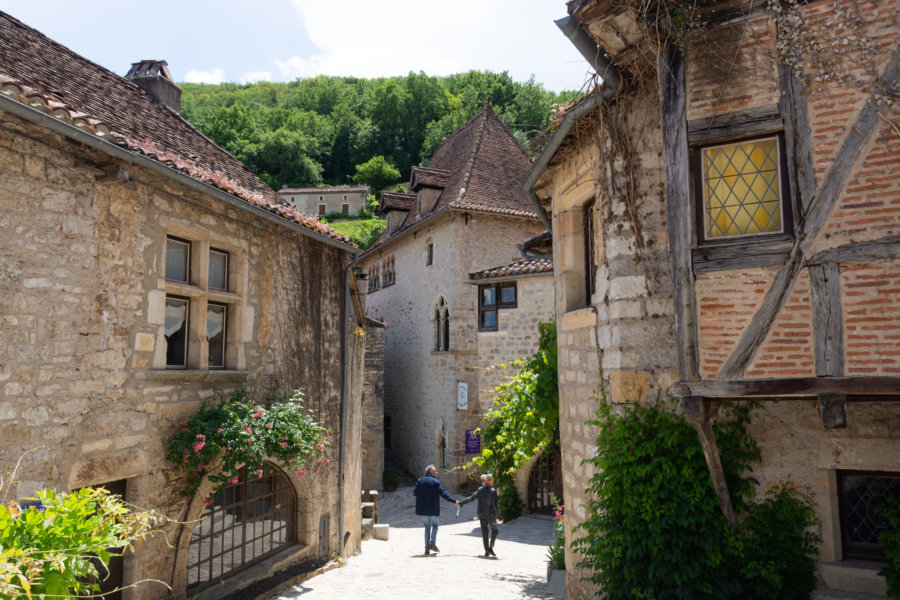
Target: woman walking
point(488, 512)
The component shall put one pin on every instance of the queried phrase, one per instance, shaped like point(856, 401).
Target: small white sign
point(462, 395)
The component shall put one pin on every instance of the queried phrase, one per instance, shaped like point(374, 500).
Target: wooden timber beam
point(696, 411)
point(673, 114)
point(871, 388)
point(809, 226)
point(886, 248)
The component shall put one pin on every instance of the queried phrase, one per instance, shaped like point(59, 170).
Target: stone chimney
point(153, 77)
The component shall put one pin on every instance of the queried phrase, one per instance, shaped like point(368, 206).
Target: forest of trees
point(339, 130)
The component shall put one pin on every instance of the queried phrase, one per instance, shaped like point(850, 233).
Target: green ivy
point(655, 528)
point(225, 436)
point(890, 542)
point(48, 547)
point(523, 421)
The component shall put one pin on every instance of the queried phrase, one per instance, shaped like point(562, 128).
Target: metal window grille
point(545, 481)
point(860, 495)
point(247, 522)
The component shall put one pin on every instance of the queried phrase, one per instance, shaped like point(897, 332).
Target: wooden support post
point(696, 411)
point(833, 410)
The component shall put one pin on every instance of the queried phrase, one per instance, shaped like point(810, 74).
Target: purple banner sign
point(473, 442)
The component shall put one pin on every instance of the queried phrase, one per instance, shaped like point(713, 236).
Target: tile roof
point(528, 266)
point(327, 190)
point(487, 168)
point(425, 177)
point(47, 76)
point(541, 243)
point(394, 201)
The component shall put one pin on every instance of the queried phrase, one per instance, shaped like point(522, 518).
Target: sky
point(281, 40)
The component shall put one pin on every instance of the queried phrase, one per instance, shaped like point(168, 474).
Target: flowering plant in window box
point(222, 437)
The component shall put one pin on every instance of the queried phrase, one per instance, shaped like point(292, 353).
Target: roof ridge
point(471, 162)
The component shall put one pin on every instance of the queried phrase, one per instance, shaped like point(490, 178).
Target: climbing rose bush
point(225, 436)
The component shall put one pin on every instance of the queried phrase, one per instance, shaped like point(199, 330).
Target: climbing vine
point(224, 436)
point(655, 529)
point(523, 421)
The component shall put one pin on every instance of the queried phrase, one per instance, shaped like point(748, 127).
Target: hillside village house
point(143, 270)
point(324, 200)
point(465, 213)
point(729, 232)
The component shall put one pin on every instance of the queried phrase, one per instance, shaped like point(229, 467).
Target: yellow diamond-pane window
point(741, 189)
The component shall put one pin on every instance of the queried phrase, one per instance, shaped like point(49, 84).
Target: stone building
point(465, 213)
point(143, 270)
point(324, 200)
point(728, 231)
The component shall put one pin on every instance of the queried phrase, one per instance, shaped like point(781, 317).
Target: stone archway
point(545, 482)
point(245, 523)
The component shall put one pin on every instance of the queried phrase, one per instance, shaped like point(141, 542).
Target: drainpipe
point(612, 81)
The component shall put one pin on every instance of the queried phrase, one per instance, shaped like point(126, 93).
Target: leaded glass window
point(742, 189)
point(861, 495)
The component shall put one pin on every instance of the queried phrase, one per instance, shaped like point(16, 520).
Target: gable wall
point(421, 384)
point(82, 302)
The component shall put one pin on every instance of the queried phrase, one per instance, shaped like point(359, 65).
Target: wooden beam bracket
point(833, 410)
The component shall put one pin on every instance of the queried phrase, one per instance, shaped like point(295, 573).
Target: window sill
point(853, 576)
point(184, 289)
point(578, 319)
point(194, 375)
point(742, 254)
point(223, 296)
point(257, 573)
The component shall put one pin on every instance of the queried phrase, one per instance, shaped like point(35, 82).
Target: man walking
point(428, 492)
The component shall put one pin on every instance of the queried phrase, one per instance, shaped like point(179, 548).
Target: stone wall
point(624, 334)
point(421, 383)
point(82, 347)
point(373, 408)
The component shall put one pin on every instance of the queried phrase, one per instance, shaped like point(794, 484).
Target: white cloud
point(211, 76)
point(392, 37)
point(254, 76)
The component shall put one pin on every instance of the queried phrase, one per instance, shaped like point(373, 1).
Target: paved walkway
point(398, 568)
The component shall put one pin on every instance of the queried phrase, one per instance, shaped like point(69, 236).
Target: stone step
point(382, 531)
point(368, 529)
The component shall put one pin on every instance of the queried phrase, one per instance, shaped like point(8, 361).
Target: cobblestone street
point(399, 569)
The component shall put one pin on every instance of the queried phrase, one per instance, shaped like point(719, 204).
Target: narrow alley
point(398, 568)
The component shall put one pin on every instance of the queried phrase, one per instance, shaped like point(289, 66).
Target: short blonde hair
point(485, 478)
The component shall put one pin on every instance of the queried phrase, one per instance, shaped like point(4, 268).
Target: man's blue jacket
point(427, 492)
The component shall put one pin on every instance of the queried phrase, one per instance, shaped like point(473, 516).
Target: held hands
point(500, 521)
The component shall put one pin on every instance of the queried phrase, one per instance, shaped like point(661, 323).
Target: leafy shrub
point(49, 547)
point(523, 421)
point(890, 542)
point(656, 529)
point(225, 436)
point(556, 552)
point(389, 479)
point(363, 232)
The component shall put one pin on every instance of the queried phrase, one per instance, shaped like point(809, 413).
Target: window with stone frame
point(742, 190)
point(492, 298)
point(860, 495)
point(198, 305)
point(429, 254)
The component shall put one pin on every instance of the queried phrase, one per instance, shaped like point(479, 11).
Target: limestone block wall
point(373, 408)
point(420, 383)
point(517, 335)
point(82, 293)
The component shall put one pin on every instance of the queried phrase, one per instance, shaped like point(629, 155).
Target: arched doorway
point(545, 482)
point(247, 522)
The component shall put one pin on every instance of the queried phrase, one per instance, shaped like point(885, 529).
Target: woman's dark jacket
point(488, 506)
point(428, 491)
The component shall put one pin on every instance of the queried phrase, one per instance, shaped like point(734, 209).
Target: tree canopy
point(317, 131)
